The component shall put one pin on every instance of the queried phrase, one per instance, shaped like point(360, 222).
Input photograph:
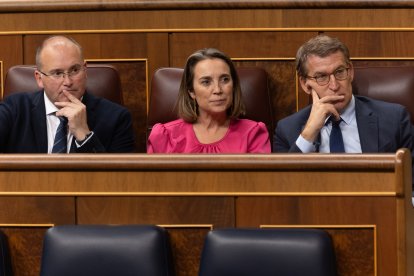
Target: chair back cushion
point(268, 252)
point(387, 83)
point(5, 261)
point(166, 84)
point(103, 81)
point(102, 250)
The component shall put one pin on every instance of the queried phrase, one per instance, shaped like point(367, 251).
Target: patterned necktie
point(336, 143)
point(61, 141)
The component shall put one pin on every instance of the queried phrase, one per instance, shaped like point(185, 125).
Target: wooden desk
point(363, 201)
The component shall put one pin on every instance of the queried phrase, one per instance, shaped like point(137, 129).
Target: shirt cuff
point(84, 141)
point(304, 145)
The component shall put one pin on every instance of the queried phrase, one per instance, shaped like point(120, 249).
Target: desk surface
point(142, 174)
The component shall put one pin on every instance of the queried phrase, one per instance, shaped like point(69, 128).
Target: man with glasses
point(337, 120)
point(63, 117)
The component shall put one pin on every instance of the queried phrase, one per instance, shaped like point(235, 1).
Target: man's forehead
point(330, 62)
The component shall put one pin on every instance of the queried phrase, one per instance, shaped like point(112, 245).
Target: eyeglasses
point(324, 79)
point(71, 73)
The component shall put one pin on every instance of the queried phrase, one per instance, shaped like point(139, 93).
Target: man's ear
point(351, 72)
point(86, 66)
point(305, 86)
point(38, 78)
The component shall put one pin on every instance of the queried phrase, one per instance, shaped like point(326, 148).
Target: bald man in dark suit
point(29, 122)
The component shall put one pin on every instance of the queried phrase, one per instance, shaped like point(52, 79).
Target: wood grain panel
point(254, 45)
point(35, 210)
point(315, 18)
point(11, 53)
point(25, 247)
point(96, 45)
point(187, 244)
point(217, 211)
point(282, 88)
point(134, 89)
point(62, 5)
point(182, 183)
point(347, 18)
point(133, 75)
point(320, 211)
point(385, 44)
point(354, 250)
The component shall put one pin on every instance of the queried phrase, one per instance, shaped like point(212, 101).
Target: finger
point(335, 113)
point(71, 98)
point(315, 96)
point(61, 113)
point(331, 99)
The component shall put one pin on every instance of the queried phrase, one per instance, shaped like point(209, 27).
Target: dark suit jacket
point(23, 125)
point(382, 127)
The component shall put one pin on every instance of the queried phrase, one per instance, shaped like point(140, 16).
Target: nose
point(333, 83)
point(217, 88)
point(67, 80)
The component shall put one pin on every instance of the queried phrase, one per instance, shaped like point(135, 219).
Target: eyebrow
point(325, 73)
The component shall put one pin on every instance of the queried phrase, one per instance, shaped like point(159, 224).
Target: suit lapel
point(367, 123)
point(38, 118)
point(90, 102)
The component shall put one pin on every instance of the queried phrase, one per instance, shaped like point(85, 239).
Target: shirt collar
point(50, 107)
point(348, 114)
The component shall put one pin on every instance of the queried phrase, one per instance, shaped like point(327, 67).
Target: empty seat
point(393, 84)
point(268, 252)
point(101, 250)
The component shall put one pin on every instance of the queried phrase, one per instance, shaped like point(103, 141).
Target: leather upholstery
point(387, 83)
point(166, 83)
point(103, 81)
point(5, 262)
point(267, 252)
point(103, 250)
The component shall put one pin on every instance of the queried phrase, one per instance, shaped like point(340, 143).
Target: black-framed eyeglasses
point(323, 79)
point(71, 73)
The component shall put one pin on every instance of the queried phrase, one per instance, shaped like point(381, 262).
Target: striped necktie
point(61, 141)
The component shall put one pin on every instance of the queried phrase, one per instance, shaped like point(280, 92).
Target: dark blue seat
point(5, 262)
point(268, 252)
point(102, 250)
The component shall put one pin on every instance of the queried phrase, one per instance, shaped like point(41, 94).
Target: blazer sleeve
point(284, 139)
point(121, 137)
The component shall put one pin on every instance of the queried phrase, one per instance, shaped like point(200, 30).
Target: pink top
point(243, 136)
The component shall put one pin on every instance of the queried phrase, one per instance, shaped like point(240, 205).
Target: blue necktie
point(336, 143)
point(61, 141)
